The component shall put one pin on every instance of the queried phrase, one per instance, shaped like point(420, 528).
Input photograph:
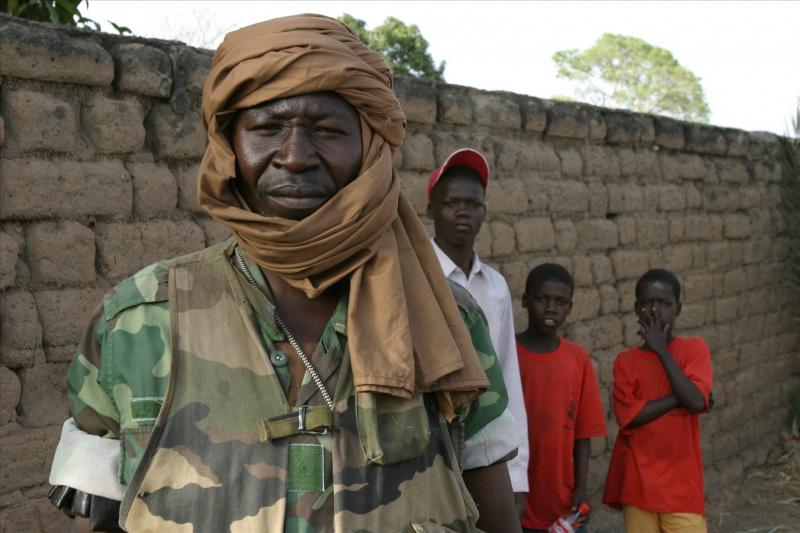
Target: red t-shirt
point(562, 400)
point(658, 466)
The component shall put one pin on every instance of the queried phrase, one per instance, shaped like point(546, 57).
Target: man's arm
point(87, 458)
point(490, 432)
point(80, 524)
point(86, 461)
point(521, 503)
point(506, 348)
point(491, 490)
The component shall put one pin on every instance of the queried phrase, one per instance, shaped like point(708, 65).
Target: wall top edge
point(416, 87)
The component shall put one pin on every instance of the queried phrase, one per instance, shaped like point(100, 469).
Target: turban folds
point(405, 333)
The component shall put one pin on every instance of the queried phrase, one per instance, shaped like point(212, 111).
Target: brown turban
point(405, 333)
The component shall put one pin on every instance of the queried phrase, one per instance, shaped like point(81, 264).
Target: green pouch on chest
point(306, 468)
point(392, 429)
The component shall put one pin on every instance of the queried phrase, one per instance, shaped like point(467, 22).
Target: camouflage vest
point(227, 452)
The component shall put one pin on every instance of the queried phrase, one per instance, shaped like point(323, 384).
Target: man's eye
point(267, 129)
point(327, 130)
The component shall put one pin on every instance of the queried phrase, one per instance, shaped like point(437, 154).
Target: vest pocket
point(135, 435)
point(391, 429)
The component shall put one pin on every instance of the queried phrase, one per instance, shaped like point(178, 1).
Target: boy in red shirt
point(562, 400)
point(656, 470)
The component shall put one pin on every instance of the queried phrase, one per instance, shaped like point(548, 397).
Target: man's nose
point(296, 152)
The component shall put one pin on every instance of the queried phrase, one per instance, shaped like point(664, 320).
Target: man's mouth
point(296, 191)
point(550, 322)
point(297, 196)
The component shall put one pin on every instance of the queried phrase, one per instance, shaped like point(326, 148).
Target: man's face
point(548, 304)
point(294, 154)
point(458, 207)
point(657, 301)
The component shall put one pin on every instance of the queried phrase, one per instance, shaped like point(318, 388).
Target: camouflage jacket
point(181, 364)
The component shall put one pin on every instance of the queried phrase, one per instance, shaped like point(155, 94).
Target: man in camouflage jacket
point(192, 405)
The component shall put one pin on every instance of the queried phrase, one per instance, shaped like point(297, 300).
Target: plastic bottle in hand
point(566, 524)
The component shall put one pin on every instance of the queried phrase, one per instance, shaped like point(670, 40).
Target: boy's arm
point(630, 409)
point(490, 487)
point(580, 458)
point(685, 392)
point(589, 422)
point(655, 334)
point(654, 409)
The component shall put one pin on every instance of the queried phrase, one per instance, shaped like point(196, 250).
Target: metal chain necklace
point(312, 371)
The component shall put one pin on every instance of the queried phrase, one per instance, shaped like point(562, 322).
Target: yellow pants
point(641, 521)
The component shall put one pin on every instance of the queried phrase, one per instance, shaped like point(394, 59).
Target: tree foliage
point(401, 45)
point(201, 28)
point(64, 12)
point(627, 72)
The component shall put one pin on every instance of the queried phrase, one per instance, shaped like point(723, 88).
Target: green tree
point(64, 12)
point(627, 72)
point(401, 45)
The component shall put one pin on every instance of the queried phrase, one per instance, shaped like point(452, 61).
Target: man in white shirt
point(456, 204)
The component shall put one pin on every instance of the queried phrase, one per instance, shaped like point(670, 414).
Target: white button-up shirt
point(490, 290)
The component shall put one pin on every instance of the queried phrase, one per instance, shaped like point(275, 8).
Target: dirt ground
point(767, 500)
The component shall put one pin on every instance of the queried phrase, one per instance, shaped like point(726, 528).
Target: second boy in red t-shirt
point(660, 389)
point(562, 400)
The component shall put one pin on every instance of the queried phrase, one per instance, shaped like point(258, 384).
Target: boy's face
point(548, 304)
point(458, 208)
point(657, 301)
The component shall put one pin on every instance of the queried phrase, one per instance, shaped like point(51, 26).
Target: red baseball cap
point(466, 157)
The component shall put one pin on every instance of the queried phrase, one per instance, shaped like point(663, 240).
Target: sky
point(745, 53)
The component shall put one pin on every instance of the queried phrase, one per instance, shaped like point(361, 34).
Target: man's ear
point(525, 301)
point(678, 311)
point(429, 211)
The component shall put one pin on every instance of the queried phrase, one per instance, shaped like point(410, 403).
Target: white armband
point(87, 463)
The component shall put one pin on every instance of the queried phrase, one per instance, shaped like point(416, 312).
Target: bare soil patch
point(766, 501)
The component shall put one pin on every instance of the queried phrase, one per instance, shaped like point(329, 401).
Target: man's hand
point(519, 500)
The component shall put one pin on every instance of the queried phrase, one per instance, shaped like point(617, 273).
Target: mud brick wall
point(100, 138)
